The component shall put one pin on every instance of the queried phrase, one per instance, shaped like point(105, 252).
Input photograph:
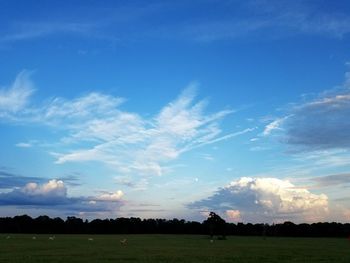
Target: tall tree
point(216, 225)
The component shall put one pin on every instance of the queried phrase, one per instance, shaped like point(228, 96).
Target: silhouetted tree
point(213, 225)
point(74, 225)
point(216, 225)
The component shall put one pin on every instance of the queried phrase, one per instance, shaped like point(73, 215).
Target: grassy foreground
point(170, 248)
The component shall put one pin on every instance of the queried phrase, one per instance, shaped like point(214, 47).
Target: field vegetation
point(28, 248)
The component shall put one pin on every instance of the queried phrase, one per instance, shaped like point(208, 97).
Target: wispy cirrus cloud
point(15, 97)
point(134, 144)
point(110, 24)
point(86, 106)
point(270, 19)
point(303, 17)
point(27, 144)
point(272, 126)
point(229, 20)
point(23, 145)
point(32, 30)
point(96, 129)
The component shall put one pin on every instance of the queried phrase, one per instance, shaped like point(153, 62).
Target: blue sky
point(174, 109)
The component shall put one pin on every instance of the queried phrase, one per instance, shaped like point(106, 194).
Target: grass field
point(170, 248)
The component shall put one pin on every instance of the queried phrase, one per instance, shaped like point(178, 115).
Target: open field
point(170, 248)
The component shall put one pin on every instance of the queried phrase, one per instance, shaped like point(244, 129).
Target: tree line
point(213, 226)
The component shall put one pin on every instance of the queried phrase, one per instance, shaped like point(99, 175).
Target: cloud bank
point(319, 124)
point(332, 180)
point(265, 200)
point(9, 180)
point(54, 194)
point(51, 193)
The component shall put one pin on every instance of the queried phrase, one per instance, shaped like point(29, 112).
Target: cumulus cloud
point(266, 200)
point(53, 187)
point(116, 196)
point(15, 97)
point(51, 193)
point(54, 194)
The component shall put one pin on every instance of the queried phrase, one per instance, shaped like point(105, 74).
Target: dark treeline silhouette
point(213, 226)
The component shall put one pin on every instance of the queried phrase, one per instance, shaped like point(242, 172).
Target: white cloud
point(16, 97)
point(233, 215)
point(258, 148)
point(116, 196)
point(94, 154)
point(207, 157)
point(281, 196)
point(267, 199)
point(274, 125)
point(52, 188)
point(97, 130)
point(133, 144)
point(54, 194)
point(85, 107)
point(23, 145)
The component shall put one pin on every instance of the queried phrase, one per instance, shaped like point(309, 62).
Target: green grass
point(170, 248)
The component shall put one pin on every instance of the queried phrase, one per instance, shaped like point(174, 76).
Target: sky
point(173, 109)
